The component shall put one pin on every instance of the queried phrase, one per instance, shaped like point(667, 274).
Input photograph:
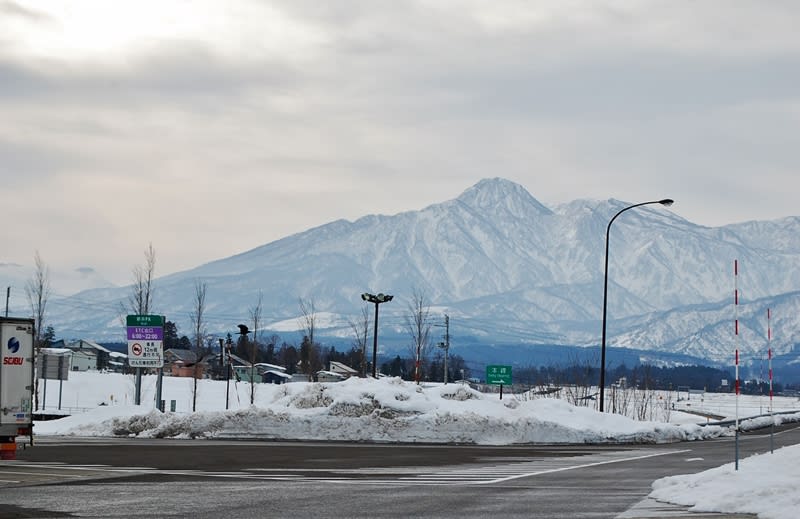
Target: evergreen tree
point(49, 336)
point(170, 335)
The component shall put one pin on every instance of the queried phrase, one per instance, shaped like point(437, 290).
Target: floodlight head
point(365, 296)
point(243, 329)
point(667, 202)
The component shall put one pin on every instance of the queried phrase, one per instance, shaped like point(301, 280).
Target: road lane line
point(580, 466)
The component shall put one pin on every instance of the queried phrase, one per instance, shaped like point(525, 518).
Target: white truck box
point(16, 376)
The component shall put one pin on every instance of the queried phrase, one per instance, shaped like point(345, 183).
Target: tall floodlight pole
point(771, 416)
point(666, 202)
point(377, 300)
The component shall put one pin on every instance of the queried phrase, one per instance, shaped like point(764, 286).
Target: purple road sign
point(145, 333)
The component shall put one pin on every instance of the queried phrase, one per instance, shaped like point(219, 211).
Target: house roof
point(280, 374)
point(186, 356)
point(238, 360)
point(339, 367)
point(331, 374)
point(87, 344)
point(267, 366)
point(235, 360)
point(84, 353)
point(56, 351)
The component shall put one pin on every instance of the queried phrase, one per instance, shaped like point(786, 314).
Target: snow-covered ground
point(391, 410)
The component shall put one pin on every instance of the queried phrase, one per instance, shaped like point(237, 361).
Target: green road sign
point(498, 375)
point(145, 320)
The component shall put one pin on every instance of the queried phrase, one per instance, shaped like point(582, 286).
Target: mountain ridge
point(496, 259)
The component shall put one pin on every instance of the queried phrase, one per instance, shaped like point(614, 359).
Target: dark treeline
point(642, 376)
point(310, 358)
point(432, 369)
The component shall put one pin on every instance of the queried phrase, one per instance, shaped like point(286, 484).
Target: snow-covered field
point(391, 410)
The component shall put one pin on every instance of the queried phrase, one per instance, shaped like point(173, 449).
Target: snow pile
point(765, 484)
point(385, 410)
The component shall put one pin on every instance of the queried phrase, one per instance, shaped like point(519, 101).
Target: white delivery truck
point(16, 383)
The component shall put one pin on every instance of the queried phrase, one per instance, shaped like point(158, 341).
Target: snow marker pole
point(769, 357)
point(736, 331)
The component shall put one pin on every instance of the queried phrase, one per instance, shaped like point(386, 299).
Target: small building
point(217, 365)
point(245, 372)
point(272, 373)
point(183, 363)
point(86, 355)
point(275, 377)
point(342, 369)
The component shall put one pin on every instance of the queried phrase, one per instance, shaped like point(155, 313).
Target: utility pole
point(8, 296)
point(446, 344)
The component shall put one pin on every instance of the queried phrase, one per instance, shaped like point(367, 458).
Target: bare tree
point(360, 329)
point(199, 328)
point(309, 319)
point(38, 291)
point(255, 316)
point(198, 313)
point(140, 302)
point(418, 324)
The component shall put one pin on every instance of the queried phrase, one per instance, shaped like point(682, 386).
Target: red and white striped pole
point(769, 357)
point(736, 331)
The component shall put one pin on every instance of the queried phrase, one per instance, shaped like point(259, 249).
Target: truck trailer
point(16, 383)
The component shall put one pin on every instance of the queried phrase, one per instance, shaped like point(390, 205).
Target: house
point(275, 377)
point(183, 363)
point(217, 365)
point(88, 355)
point(243, 373)
point(342, 369)
point(272, 373)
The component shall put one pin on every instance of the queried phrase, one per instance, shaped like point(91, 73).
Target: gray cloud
point(390, 106)
point(13, 9)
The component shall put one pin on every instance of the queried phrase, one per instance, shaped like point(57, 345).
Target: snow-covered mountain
point(507, 270)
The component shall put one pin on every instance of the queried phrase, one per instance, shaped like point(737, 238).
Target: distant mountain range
point(509, 271)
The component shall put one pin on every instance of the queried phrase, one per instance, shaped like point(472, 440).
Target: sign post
point(145, 345)
point(498, 375)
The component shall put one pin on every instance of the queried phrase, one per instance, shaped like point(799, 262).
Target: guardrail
point(727, 423)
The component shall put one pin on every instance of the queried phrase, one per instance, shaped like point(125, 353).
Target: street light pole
point(446, 344)
point(665, 202)
point(228, 345)
point(377, 299)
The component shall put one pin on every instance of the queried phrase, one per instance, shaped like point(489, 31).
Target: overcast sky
point(208, 128)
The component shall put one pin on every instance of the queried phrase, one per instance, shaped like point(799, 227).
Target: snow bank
point(385, 410)
point(765, 484)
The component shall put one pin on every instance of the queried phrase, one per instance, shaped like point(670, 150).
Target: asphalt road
point(73, 477)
